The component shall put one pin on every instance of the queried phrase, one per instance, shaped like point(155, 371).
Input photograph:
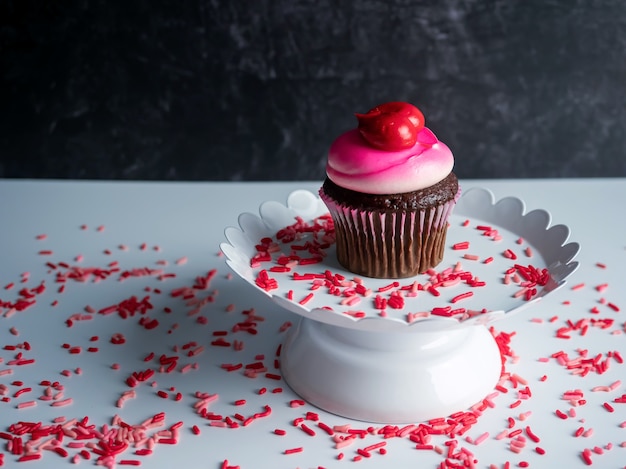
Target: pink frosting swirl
point(355, 165)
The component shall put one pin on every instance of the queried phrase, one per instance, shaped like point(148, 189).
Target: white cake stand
point(404, 365)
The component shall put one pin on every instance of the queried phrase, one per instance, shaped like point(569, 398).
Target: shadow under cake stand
point(365, 364)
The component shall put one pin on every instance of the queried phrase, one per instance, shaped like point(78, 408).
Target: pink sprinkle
point(600, 388)
point(481, 438)
point(182, 260)
point(23, 405)
point(351, 301)
point(471, 257)
point(62, 403)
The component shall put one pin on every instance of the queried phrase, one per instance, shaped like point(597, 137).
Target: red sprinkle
point(306, 299)
point(531, 435)
point(462, 296)
point(560, 414)
point(294, 450)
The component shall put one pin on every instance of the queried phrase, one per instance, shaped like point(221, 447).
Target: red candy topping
point(391, 126)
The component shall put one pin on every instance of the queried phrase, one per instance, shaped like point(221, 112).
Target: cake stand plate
point(410, 363)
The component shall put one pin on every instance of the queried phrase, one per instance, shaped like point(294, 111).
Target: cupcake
point(390, 190)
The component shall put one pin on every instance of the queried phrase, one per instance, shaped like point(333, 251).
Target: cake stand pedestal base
point(390, 377)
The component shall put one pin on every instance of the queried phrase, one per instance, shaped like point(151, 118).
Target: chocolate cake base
point(391, 235)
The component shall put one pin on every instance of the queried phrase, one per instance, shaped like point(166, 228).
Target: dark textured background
point(257, 89)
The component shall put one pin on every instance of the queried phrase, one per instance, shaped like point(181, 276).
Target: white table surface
point(186, 221)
